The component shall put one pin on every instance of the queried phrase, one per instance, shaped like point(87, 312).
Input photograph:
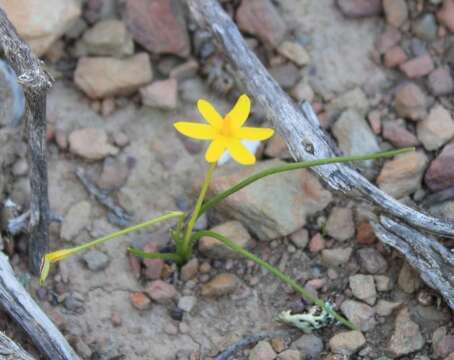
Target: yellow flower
point(225, 132)
point(52, 258)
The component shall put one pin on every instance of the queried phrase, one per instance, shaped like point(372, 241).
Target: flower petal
point(215, 150)
point(251, 133)
point(240, 112)
point(240, 153)
point(210, 114)
point(196, 130)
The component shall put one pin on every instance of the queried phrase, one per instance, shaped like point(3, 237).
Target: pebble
point(140, 301)
point(360, 314)
point(161, 292)
point(436, 129)
point(389, 38)
point(76, 219)
point(294, 52)
point(410, 101)
point(363, 288)
point(446, 14)
point(347, 342)
point(41, 25)
point(360, 8)
point(425, 27)
point(385, 308)
point(402, 175)
point(233, 230)
point(417, 67)
point(100, 77)
point(20, 168)
point(309, 344)
point(161, 94)
point(444, 346)
point(260, 18)
point(317, 243)
point(106, 38)
point(185, 71)
point(394, 56)
point(74, 302)
point(95, 260)
point(190, 269)
point(116, 319)
point(408, 280)
point(277, 148)
point(340, 225)
point(337, 256)
point(187, 303)
point(396, 12)
point(278, 344)
point(91, 144)
point(289, 355)
point(286, 75)
point(353, 99)
point(262, 351)
point(114, 174)
point(440, 174)
point(383, 283)
point(440, 82)
point(120, 139)
point(153, 267)
point(220, 285)
point(302, 91)
point(300, 238)
point(371, 260)
point(398, 135)
point(406, 338)
point(158, 26)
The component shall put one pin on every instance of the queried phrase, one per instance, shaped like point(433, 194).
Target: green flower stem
point(186, 248)
point(127, 230)
point(277, 273)
point(295, 166)
point(164, 256)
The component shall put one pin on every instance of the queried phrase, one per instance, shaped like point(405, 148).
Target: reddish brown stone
point(365, 234)
point(360, 8)
point(153, 267)
point(417, 67)
point(446, 14)
point(441, 170)
point(394, 57)
point(140, 301)
point(317, 243)
point(158, 26)
point(398, 135)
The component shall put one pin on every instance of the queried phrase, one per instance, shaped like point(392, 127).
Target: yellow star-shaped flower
point(225, 132)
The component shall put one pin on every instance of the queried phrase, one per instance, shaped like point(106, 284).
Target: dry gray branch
point(35, 81)
point(307, 141)
point(16, 301)
point(9, 350)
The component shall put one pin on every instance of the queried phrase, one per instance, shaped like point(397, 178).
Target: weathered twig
point(35, 81)
point(9, 350)
point(15, 300)
point(307, 141)
point(117, 215)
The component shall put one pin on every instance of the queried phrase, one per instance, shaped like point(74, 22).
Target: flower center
point(226, 130)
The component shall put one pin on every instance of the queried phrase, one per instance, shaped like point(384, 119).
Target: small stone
point(171, 329)
point(100, 77)
point(383, 283)
point(353, 99)
point(95, 260)
point(385, 308)
point(220, 285)
point(262, 351)
point(396, 12)
point(300, 92)
point(410, 102)
point(286, 75)
point(417, 67)
point(161, 292)
point(107, 107)
point(234, 231)
point(300, 238)
point(440, 174)
point(347, 342)
point(115, 318)
point(20, 167)
point(120, 139)
point(398, 135)
point(187, 303)
point(337, 256)
point(277, 148)
point(278, 344)
point(371, 260)
point(310, 345)
point(190, 269)
point(360, 314)
point(289, 355)
point(106, 38)
point(360, 8)
point(363, 288)
point(91, 144)
point(294, 52)
point(440, 82)
point(140, 301)
point(161, 94)
point(425, 27)
point(114, 174)
point(340, 225)
point(394, 57)
point(77, 219)
point(391, 37)
point(444, 346)
point(317, 243)
point(185, 71)
point(446, 14)
point(437, 129)
point(365, 234)
point(402, 176)
point(159, 26)
point(260, 18)
point(153, 267)
point(406, 338)
point(408, 280)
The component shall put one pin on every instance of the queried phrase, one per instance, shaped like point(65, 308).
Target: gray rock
point(337, 256)
point(187, 303)
point(409, 280)
point(363, 288)
point(360, 314)
point(353, 99)
point(310, 345)
point(372, 261)
point(340, 225)
point(410, 101)
point(300, 238)
point(347, 342)
point(96, 260)
point(91, 144)
point(425, 27)
point(436, 129)
point(77, 218)
point(262, 351)
point(385, 308)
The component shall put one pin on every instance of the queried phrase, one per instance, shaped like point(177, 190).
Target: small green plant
point(225, 134)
